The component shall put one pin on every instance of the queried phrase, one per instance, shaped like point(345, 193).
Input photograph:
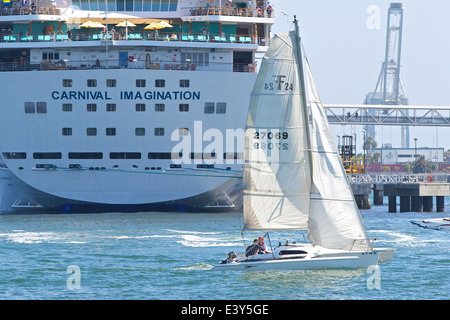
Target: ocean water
point(169, 256)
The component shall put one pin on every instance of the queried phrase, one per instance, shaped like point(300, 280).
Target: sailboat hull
point(292, 264)
point(303, 256)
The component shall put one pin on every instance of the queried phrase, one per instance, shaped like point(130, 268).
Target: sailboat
point(293, 176)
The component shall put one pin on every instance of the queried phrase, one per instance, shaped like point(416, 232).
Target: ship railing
point(143, 36)
point(30, 9)
point(130, 63)
point(234, 11)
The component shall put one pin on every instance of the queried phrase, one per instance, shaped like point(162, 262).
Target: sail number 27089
point(272, 140)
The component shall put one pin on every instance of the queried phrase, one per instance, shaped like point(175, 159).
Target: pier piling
point(417, 197)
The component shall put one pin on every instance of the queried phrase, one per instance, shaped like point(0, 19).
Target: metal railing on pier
point(380, 178)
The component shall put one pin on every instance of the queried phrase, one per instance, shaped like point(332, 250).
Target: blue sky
point(346, 55)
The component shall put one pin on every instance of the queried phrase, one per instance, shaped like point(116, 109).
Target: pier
point(415, 191)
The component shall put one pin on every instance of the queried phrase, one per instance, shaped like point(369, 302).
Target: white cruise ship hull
point(50, 178)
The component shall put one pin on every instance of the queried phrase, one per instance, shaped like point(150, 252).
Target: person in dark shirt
point(253, 249)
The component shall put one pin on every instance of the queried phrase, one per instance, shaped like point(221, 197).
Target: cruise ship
point(126, 105)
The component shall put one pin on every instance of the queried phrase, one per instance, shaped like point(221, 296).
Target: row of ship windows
point(137, 131)
point(122, 155)
point(209, 108)
point(140, 83)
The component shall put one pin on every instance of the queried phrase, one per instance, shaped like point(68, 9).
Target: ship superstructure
point(128, 106)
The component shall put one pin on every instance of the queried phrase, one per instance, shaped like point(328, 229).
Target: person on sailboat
point(253, 249)
point(262, 244)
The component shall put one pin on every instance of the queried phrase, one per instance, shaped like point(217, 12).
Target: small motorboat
point(437, 223)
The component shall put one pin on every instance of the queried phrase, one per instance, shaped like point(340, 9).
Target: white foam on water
point(198, 241)
point(21, 236)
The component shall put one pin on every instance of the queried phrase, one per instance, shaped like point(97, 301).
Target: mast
point(298, 55)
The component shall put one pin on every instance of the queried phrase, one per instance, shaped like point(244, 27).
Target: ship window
point(164, 5)
point(160, 83)
point(94, 5)
point(111, 5)
point(183, 131)
point(91, 107)
point(125, 155)
point(67, 107)
point(173, 5)
point(221, 107)
point(183, 107)
point(199, 59)
point(50, 55)
point(140, 131)
point(29, 107)
point(140, 83)
point(138, 5)
point(41, 107)
point(47, 155)
point(85, 155)
point(84, 5)
point(164, 155)
point(233, 155)
point(184, 83)
point(140, 106)
point(92, 83)
point(110, 131)
point(66, 131)
point(67, 82)
point(15, 155)
point(120, 5)
point(155, 5)
point(111, 83)
point(209, 107)
point(159, 131)
point(160, 107)
point(110, 107)
point(91, 131)
point(207, 156)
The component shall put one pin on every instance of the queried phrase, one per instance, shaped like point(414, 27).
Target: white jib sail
point(334, 219)
point(277, 174)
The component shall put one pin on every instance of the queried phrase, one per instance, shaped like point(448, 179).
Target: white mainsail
point(294, 179)
point(276, 155)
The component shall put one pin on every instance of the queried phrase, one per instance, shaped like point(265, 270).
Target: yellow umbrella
point(126, 24)
point(165, 24)
point(99, 25)
point(153, 25)
point(89, 24)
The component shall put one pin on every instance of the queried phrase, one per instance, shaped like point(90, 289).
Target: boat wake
point(197, 266)
point(196, 239)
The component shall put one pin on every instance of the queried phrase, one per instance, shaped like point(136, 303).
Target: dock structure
point(416, 197)
point(414, 191)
